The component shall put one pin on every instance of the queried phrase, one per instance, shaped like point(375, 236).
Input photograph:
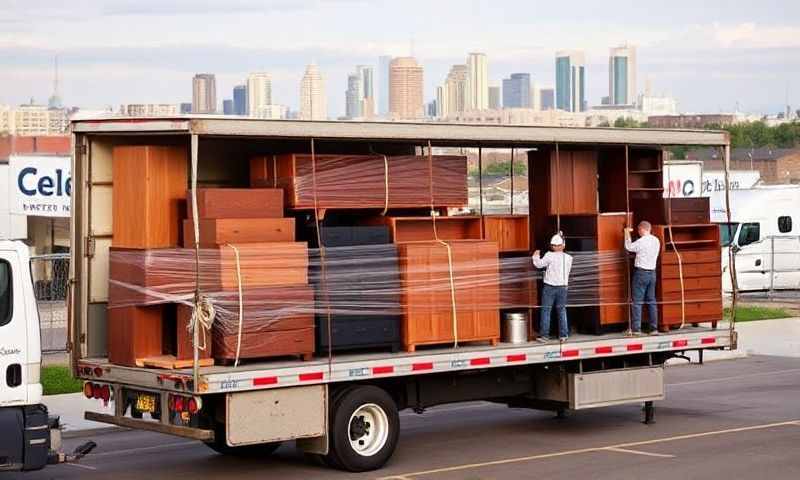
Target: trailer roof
point(439, 133)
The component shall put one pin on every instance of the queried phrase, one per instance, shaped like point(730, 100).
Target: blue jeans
point(554, 296)
point(644, 291)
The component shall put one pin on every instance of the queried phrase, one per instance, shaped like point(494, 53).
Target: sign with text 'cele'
point(40, 185)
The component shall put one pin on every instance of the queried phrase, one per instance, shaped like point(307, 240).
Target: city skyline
point(705, 55)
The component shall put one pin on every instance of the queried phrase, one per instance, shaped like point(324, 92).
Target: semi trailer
point(342, 407)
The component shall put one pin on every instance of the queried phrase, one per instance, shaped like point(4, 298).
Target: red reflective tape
point(310, 377)
point(380, 370)
point(570, 353)
point(604, 350)
point(416, 367)
point(708, 340)
point(680, 343)
point(480, 361)
point(265, 381)
point(516, 358)
point(634, 347)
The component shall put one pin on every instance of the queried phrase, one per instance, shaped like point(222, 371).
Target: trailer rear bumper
point(127, 422)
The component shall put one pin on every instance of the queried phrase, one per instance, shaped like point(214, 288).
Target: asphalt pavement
point(735, 419)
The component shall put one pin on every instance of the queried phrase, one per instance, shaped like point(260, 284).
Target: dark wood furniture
point(509, 231)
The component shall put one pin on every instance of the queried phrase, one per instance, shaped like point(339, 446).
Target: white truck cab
point(764, 232)
point(30, 438)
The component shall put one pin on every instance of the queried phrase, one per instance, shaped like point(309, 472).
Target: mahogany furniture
point(509, 231)
point(237, 203)
point(564, 181)
point(431, 317)
point(363, 181)
point(134, 333)
point(149, 183)
point(699, 266)
point(415, 229)
point(221, 231)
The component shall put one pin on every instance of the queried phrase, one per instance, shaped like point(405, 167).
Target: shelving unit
point(416, 229)
point(509, 231)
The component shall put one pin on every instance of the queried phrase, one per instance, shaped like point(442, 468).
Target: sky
point(712, 56)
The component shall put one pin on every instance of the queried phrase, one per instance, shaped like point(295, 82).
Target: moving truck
point(343, 407)
point(30, 438)
point(764, 234)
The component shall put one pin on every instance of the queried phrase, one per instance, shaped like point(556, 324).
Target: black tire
point(342, 454)
point(261, 450)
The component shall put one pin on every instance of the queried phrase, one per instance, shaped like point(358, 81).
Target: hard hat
point(557, 240)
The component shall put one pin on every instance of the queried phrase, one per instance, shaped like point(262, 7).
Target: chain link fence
point(50, 275)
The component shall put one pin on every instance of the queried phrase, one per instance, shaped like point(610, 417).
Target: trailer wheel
point(253, 451)
point(364, 428)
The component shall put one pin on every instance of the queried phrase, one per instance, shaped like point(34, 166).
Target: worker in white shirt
point(557, 265)
point(646, 248)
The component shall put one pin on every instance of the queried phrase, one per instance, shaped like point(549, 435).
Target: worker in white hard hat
point(557, 265)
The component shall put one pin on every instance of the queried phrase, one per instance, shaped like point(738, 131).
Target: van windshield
point(726, 233)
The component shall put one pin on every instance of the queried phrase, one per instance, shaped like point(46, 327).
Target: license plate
point(146, 403)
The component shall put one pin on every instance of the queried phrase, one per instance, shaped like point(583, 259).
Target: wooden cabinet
point(134, 333)
point(564, 182)
point(239, 203)
point(221, 231)
point(689, 285)
point(431, 315)
point(149, 184)
point(415, 229)
point(509, 231)
point(364, 181)
point(612, 269)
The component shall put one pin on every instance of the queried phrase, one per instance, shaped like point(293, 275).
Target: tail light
point(105, 393)
point(98, 372)
point(192, 406)
point(87, 390)
point(178, 404)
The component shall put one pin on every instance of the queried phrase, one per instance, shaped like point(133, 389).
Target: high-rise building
point(204, 93)
point(477, 81)
point(33, 119)
point(383, 84)
point(148, 109)
point(405, 88)
point(313, 104)
point(227, 107)
point(517, 91)
point(240, 100)
point(570, 81)
point(360, 93)
point(494, 97)
point(259, 94)
point(622, 75)
point(455, 90)
point(547, 99)
point(352, 96)
point(441, 101)
point(185, 107)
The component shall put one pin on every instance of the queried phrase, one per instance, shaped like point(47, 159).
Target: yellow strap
point(241, 305)
point(274, 171)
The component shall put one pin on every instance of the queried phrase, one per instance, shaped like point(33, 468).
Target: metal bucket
point(515, 327)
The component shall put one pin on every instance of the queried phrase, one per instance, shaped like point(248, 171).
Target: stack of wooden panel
point(449, 297)
point(149, 186)
point(363, 181)
point(254, 245)
point(358, 296)
point(698, 274)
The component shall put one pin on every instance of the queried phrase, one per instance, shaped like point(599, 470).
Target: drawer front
point(693, 296)
point(693, 284)
point(695, 312)
point(353, 331)
point(694, 270)
point(710, 255)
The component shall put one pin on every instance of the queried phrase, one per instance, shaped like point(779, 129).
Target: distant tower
point(477, 81)
point(55, 100)
point(405, 89)
point(622, 75)
point(570, 81)
point(313, 104)
point(204, 93)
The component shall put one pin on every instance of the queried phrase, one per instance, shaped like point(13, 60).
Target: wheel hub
point(368, 429)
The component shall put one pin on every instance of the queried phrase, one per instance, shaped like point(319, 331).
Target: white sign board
point(714, 180)
point(682, 179)
point(40, 185)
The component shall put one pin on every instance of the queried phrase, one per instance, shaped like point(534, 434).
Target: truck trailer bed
point(345, 367)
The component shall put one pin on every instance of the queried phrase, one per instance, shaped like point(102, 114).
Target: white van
point(764, 233)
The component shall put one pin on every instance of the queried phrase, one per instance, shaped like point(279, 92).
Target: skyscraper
point(227, 107)
point(547, 99)
point(405, 88)
point(570, 81)
point(517, 91)
point(259, 94)
point(352, 96)
point(366, 73)
point(383, 84)
point(477, 81)
point(494, 97)
point(204, 93)
point(455, 89)
point(240, 100)
point(622, 75)
point(313, 104)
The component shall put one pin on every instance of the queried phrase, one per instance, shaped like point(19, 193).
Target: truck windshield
point(726, 233)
